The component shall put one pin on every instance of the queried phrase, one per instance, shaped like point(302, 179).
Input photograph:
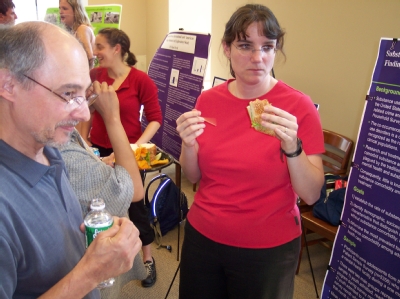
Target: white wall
point(194, 16)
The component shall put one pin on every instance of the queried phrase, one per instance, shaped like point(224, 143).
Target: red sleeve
point(93, 74)
point(148, 95)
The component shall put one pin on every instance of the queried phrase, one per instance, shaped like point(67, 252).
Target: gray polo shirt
point(40, 239)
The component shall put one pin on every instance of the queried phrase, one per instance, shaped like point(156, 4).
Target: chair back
point(338, 150)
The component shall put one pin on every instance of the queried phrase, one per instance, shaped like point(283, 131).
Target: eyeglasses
point(248, 50)
point(90, 96)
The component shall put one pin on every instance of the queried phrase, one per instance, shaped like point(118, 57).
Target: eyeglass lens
point(248, 51)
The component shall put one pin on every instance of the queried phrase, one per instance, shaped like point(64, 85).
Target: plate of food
point(150, 158)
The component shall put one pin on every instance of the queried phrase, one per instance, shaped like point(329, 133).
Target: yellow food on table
point(143, 164)
point(159, 162)
point(146, 156)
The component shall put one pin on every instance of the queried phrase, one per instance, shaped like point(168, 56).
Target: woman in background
point(134, 89)
point(242, 235)
point(75, 19)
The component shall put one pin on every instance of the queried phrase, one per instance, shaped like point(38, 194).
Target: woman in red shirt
point(134, 88)
point(242, 236)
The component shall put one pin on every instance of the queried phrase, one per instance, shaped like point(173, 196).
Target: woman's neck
point(119, 70)
point(245, 91)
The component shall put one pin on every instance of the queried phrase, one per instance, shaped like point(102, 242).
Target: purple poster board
point(178, 69)
point(365, 261)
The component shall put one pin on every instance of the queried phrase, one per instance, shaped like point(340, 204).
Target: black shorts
point(138, 215)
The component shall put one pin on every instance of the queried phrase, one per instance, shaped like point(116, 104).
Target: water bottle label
point(91, 233)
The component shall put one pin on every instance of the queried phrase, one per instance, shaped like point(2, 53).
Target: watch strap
point(296, 153)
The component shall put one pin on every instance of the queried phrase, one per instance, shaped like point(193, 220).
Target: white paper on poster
point(180, 42)
point(199, 66)
point(174, 77)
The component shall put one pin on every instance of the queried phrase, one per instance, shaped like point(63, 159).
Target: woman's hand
point(190, 125)
point(284, 125)
point(306, 172)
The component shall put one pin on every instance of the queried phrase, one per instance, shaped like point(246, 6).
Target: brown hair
point(246, 15)
point(115, 36)
point(5, 5)
point(80, 16)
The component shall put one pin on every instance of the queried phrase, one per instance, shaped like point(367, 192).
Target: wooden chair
point(338, 150)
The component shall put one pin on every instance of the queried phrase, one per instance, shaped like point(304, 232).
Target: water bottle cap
point(97, 204)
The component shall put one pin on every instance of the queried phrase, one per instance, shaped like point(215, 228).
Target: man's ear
point(6, 84)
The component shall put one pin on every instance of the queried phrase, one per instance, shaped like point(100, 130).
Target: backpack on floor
point(167, 208)
point(329, 207)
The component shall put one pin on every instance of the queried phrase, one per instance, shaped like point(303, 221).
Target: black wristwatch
point(296, 153)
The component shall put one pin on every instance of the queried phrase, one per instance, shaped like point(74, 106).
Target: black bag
point(329, 208)
point(167, 208)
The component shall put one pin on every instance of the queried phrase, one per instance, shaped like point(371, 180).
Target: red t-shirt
point(245, 197)
point(136, 90)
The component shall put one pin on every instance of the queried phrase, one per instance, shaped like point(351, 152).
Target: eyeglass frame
point(78, 99)
point(251, 49)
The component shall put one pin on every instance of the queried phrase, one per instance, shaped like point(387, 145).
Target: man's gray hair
point(22, 50)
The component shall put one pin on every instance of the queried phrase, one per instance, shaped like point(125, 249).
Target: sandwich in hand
point(255, 109)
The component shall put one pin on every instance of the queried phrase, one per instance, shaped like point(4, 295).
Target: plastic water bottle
point(96, 221)
point(96, 151)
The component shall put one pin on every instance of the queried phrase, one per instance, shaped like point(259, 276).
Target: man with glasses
point(43, 80)
point(7, 13)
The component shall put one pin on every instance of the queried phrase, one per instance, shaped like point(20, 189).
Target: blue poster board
point(178, 69)
point(365, 261)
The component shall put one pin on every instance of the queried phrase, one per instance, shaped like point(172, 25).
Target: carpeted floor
point(166, 263)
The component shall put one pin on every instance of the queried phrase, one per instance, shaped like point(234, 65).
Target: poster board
point(365, 261)
point(177, 68)
point(100, 16)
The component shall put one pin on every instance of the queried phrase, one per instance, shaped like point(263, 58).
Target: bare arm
point(86, 36)
point(190, 125)
point(189, 163)
point(108, 106)
point(84, 129)
point(306, 172)
point(149, 132)
point(110, 254)
point(307, 176)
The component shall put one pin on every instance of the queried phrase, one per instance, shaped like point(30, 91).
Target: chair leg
point(309, 260)
point(194, 187)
